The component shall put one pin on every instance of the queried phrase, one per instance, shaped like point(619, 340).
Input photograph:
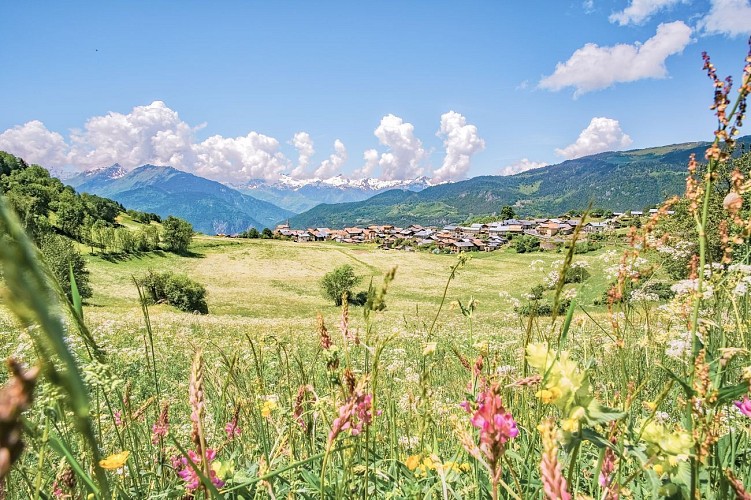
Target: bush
point(525, 243)
point(576, 274)
point(542, 308)
point(176, 290)
point(60, 253)
point(176, 234)
point(339, 281)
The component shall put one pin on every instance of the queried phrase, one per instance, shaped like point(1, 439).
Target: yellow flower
point(465, 467)
point(115, 461)
point(549, 395)
point(268, 407)
point(538, 356)
point(412, 462)
point(570, 425)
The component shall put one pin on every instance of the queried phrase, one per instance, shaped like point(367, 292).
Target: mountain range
point(210, 206)
point(616, 181)
point(301, 195)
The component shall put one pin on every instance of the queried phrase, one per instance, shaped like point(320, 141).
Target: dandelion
point(115, 461)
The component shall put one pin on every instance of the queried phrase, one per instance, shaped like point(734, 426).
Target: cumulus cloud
point(602, 134)
point(255, 156)
point(593, 67)
point(34, 143)
point(370, 156)
point(303, 143)
point(521, 166)
point(728, 17)
point(461, 141)
point(405, 155)
point(333, 165)
point(148, 134)
point(640, 10)
point(154, 134)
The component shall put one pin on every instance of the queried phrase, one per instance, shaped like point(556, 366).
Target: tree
point(507, 212)
point(266, 233)
point(60, 254)
point(176, 234)
point(339, 281)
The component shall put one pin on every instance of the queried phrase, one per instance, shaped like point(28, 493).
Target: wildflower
point(665, 447)
point(232, 429)
point(553, 483)
point(744, 406)
point(15, 398)
point(429, 349)
point(268, 407)
point(161, 427)
point(355, 413)
point(413, 461)
point(197, 404)
point(118, 418)
point(115, 461)
point(737, 485)
point(188, 474)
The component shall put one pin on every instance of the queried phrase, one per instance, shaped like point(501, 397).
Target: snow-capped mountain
point(299, 195)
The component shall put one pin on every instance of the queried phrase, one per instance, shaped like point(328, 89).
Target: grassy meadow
point(435, 388)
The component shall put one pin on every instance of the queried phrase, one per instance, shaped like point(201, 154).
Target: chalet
point(637, 213)
point(463, 246)
point(595, 227)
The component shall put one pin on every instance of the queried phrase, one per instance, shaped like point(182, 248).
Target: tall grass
point(648, 400)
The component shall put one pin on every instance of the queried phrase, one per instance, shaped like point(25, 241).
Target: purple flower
point(189, 475)
point(744, 406)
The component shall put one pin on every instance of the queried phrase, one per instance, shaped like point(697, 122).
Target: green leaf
point(599, 414)
point(731, 393)
point(77, 304)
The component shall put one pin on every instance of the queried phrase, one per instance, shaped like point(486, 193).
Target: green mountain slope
point(208, 205)
point(617, 181)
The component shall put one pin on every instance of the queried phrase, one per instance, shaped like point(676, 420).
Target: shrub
point(176, 290)
point(176, 234)
point(339, 281)
point(60, 253)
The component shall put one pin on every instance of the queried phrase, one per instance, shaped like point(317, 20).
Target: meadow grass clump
point(646, 396)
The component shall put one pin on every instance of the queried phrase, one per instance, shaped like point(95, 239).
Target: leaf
point(732, 392)
point(77, 304)
point(686, 388)
point(599, 414)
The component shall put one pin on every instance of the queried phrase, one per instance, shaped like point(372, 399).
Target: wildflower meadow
point(645, 395)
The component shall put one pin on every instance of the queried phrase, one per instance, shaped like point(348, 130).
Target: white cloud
point(35, 144)
point(333, 165)
point(521, 166)
point(304, 146)
point(728, 17)
point(593, 67)
point(461, 142)
point(640, 10)
point(154, 134)
point(602, 134)
point(148, 134)
point(405, 155)
point(254, 156)
point(371, 162)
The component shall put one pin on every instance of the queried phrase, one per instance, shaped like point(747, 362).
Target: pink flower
point(356, 412)
point(189, 475)
point(495, 424)
point(158, 431)
point(118, 418)
point(232, 429)
point(744, 406)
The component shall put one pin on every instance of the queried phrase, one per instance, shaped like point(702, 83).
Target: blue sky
point(391, 89)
